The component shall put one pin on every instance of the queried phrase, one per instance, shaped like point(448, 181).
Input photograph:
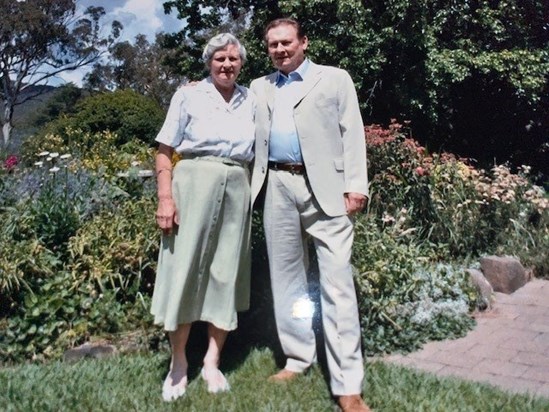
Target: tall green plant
point(405, 297)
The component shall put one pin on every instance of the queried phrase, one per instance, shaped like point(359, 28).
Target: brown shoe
point(284, 375)
point(352, 403)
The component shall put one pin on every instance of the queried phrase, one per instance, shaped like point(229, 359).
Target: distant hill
point(25, 113)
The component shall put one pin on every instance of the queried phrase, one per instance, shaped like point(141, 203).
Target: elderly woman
point(204, 212)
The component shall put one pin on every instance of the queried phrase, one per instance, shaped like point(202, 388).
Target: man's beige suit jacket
point(331, 135)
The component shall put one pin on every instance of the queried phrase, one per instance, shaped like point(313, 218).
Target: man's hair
point(282, 22)
point(219, 42)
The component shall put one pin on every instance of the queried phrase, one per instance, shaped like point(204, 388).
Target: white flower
point(48, 159)
point(54, 169)
point(135, 163)
point(54, 154)
point(145, 173)
point(386, 218)
point(43, 154)
point(65, 156)
point(39, 164)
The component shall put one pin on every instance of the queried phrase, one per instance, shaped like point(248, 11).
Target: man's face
point(286, 49)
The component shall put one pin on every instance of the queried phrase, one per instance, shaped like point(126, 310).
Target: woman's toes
point(215, 380)
point(174, 386)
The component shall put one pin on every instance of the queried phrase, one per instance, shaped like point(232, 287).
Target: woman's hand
point(166, 215)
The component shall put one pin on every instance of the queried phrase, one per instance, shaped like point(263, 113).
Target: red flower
point(11, 162)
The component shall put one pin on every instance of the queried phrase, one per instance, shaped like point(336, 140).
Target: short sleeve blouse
point(200, 121)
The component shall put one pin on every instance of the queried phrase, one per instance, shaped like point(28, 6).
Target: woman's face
point(225, 66)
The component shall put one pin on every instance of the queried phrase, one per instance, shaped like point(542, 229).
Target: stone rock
point(505, 274)
point(89, 350)
point(484, 288)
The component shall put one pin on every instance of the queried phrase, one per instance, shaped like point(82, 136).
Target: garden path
point(508, 348)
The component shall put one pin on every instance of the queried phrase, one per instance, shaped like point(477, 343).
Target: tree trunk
point(6, 123)
point(6, 133)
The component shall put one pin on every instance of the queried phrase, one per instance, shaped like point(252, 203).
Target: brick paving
point(508, 348)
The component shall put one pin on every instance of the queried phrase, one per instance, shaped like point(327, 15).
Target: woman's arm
point(166, 214)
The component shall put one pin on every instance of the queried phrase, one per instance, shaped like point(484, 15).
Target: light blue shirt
point(284, 142)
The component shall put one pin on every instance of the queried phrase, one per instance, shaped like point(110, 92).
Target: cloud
point(137, 16)
point(74, 76)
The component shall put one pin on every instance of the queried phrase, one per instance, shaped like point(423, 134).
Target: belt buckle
point(294, 169)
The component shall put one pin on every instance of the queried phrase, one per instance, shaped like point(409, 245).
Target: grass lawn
point(133, 383)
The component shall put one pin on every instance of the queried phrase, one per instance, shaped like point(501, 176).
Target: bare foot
point(215, 380)
point(175, 384)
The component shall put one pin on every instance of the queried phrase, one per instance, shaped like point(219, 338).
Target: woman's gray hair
point(219, 42)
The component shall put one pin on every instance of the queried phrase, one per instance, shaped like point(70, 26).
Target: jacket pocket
point(338, 164)
point(326, 102)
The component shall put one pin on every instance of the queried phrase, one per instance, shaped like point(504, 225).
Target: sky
point(137, 16)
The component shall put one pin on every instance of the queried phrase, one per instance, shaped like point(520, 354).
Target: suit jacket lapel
point(310, 81)
point(270, 90)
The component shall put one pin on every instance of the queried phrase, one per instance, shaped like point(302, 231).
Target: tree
point(63, 102)
point(140, 67)
point(429, 61)
point(472, 76)
point(40, 39)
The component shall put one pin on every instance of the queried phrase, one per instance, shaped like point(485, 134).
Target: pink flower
point(11, 162)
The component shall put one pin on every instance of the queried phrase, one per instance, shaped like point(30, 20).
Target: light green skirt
point(204, 265)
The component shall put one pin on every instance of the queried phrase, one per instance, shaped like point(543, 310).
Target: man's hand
point(166, 215)
point(355, 202)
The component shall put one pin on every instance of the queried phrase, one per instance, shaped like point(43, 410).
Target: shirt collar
point(208, 86)
point(296, 75)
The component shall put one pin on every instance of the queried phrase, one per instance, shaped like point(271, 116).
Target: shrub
point(81, 243)
point(95, 152)
point(56, 316)
point(127, 114)
point(405, 297)
point(398, 170)
point(117, 249)
point(103, 288)
point(450, 203)
point(77, 259)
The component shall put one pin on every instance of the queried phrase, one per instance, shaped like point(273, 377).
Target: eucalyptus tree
point(140, 66)
point(41, 39)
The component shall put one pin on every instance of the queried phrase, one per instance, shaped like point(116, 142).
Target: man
point(311, 162)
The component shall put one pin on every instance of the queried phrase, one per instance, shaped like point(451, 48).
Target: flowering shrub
point(48, 301)
point(450, 203)
point(97, 152)
point(399, 175)
point(10, 163)
point(79, 243)
point(431, 207)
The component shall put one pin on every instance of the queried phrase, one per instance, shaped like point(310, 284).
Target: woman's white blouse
point(200, 121)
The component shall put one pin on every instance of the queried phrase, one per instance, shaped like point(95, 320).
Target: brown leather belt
point(293, 168)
